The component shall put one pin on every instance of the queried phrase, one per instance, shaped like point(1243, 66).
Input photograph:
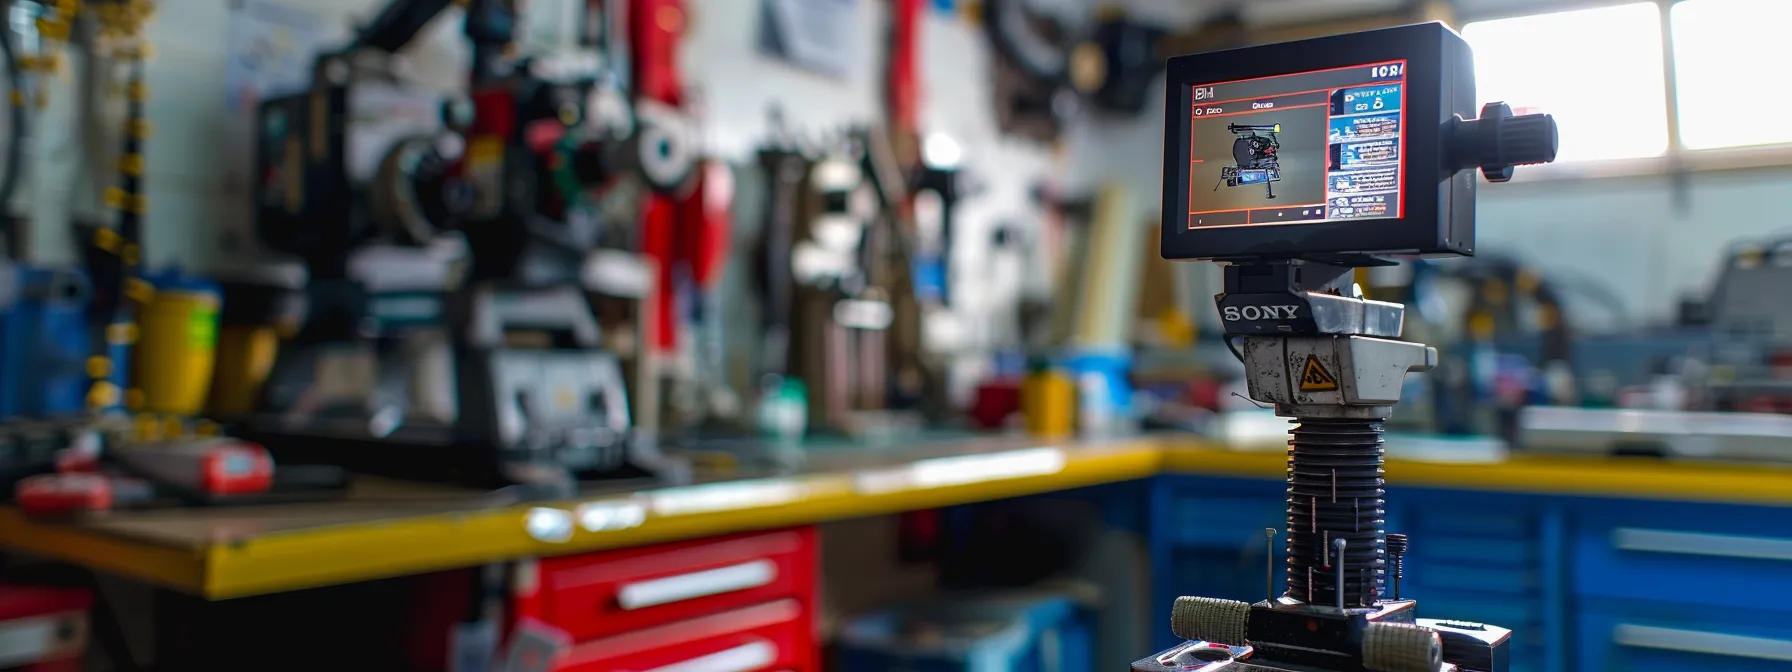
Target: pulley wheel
point(665, 148)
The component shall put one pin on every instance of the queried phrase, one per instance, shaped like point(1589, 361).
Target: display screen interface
point(1307, 147)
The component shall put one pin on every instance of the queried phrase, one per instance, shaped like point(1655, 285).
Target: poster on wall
point(816, 35)
point(270, 46)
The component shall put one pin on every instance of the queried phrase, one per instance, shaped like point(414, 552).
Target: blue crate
point(44, 342)
point(1007, 632)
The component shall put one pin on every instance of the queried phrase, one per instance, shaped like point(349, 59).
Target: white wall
point(197, 178)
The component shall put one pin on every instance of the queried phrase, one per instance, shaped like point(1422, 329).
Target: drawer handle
point(1692, 641)
point(743, 658)
point(691, 586)
point(1692, 543)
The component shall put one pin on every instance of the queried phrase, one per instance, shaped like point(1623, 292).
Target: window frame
point(1678, 158)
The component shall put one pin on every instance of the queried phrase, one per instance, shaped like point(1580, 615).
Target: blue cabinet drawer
point(1221, 513)
point(1496, 553)
point(1494, 580)
point(1504, 523)
point(1663, 638)
point(1734, 561)
point(1226, 522)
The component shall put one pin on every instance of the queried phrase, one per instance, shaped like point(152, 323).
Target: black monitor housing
point(1439, 139)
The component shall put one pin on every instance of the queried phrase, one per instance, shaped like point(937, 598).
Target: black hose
point(1016, 33)
point(12, 158)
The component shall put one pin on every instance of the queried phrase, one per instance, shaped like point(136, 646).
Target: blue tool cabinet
point(1586, 584)
point(986, 633)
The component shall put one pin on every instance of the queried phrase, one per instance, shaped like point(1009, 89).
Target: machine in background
point(447, 242)
point(840, 311)
point(1719, 387)
point(1323, 355)
point(1750, 365)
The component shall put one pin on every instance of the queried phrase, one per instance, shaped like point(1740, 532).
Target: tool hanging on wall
point(684, 223)
point(782, 398)
point(893, 159)
point(114, 253)
point(834, 264)
point(666, 146)
point(12, 134)
point(1051, 66)
point(841, 307)
point(902, 80)
point(1032, 67)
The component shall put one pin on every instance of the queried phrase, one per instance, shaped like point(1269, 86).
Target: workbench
point(1631, 564)
point(387, 529)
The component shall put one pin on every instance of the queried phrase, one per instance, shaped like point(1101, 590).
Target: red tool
point(685, 224)
point(904, 73)
point(217, 466)
point(996, 401)
point(43, 629)
point(61, 495)
point(82, 456)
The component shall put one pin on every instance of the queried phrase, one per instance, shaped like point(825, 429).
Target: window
point(1602, 70)
point(1730, 70)
point(1599, 71)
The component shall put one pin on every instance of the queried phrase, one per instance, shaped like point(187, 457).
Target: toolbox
point(735, 602)
point(43, 629)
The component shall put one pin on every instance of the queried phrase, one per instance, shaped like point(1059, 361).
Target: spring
point(1335, 490)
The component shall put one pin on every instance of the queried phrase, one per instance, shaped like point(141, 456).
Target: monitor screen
point(1318, 146)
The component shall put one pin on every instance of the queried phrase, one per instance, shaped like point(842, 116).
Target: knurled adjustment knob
point(1210, 619)
point(1527, 139)
point(1499, 141)
point(1396, 544)
point(1401, 647)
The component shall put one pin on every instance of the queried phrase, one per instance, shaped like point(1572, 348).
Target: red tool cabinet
point(43, 629)
point(735, 603)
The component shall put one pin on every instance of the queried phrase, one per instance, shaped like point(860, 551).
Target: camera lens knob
point(1498, 141)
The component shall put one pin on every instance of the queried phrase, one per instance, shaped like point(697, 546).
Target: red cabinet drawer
point(775, 637)
point(610, 593)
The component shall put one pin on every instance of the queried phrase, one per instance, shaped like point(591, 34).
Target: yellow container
point(176, 346)
point(245, 358)
point(1048, 401)
point(263, 304)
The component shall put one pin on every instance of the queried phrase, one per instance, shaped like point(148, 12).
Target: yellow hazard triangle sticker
point(1314, 377)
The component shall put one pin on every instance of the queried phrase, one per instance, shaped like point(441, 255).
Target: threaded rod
point(1396, 547)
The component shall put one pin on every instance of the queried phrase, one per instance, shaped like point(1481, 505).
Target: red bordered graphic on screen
point(1306, 147)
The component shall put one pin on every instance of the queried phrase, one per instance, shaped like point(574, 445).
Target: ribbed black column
point(1335, 491)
